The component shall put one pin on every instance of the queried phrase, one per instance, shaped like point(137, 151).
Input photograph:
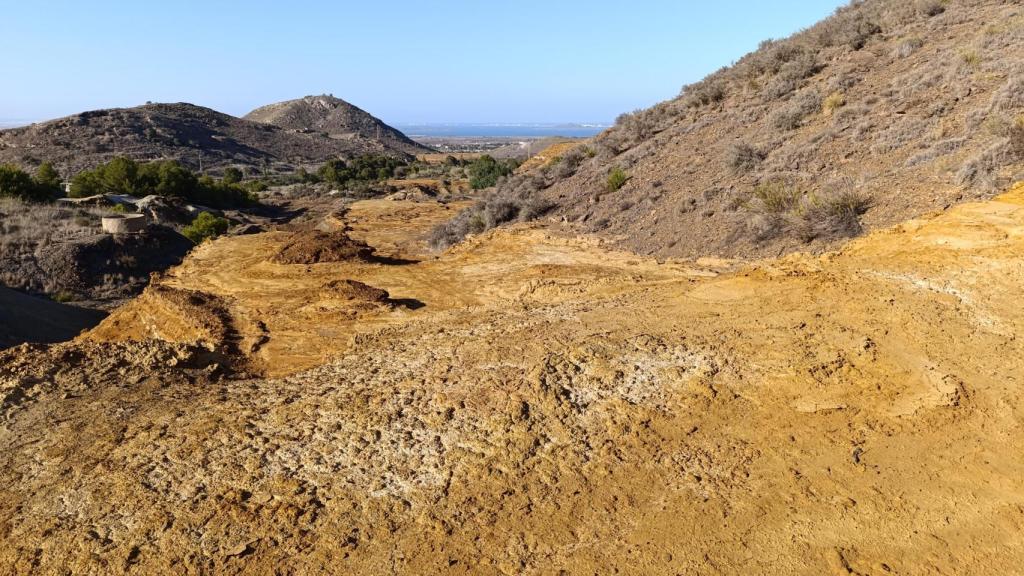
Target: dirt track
point(536, 405)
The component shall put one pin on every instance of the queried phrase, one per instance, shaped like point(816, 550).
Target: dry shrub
point(790, 116)
point(908, 47)
point(930, 8)
point(710, 90)
point(743, 158)
point(835, 214)
point(832, 103)
point(513, 199)
point(982, 170)
point(778, 208)
point(776, 197)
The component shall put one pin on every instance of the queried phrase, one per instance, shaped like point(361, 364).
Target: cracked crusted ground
point(548, 406)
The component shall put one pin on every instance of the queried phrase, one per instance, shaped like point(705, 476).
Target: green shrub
point(232, 175)
point(485, 171)
point(206, 226)
point(16, 183)
point(616, 179)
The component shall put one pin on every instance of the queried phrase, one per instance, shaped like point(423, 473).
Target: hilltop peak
point(334, 117)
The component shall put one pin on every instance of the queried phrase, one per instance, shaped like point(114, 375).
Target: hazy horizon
point(572, 62)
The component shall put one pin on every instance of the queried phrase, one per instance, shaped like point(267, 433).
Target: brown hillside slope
point(336, 118)
point(886, 111)
point(552, 407)
point(173, 131)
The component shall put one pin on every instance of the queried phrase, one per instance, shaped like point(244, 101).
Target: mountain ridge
point(192, 134)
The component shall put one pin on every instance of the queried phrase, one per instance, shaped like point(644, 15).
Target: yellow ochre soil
point(529, 404)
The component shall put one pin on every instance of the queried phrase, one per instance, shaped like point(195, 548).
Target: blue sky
point(407, 62)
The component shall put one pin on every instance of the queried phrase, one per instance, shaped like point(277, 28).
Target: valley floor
point(529, 404)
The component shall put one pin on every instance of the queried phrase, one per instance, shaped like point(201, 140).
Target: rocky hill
point(336, 118)
point(175, 131)
point(885, 111)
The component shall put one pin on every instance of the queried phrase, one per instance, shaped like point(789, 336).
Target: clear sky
point(404, 61)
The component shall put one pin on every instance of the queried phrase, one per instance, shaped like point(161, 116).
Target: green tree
point(173, 179)
point(48, 179)
point(206, 226)
point(485, 171)
point(120, 176)
point(14, 182)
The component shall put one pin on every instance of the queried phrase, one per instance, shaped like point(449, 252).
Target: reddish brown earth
point(529, 404)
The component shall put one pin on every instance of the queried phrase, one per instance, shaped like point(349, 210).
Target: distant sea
point(500, 130)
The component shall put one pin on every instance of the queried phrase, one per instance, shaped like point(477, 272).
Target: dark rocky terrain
point(24, 318)
point(336, 119)
point(61, 252)
point(184, 132)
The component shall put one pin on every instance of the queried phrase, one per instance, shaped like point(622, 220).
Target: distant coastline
point(498, 130)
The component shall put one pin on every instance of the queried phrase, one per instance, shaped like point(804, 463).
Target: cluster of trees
point(16, 183)
point(485, 171)
point(364, 169)
point(163, 178)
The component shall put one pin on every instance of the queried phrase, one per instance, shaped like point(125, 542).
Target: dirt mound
point(353, 290)
point(318, 247)
point(109, 267)
point(170, 314)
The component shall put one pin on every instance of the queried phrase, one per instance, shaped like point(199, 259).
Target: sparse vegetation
point(790, 116)
point(931, 8)
point(832, 103)
point(907, 48)
point(779, 208)
point(205, 227)
point(513, 199)
point(970, 58)
point(743, 158)
point(617, 178)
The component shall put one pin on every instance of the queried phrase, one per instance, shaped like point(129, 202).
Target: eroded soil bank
point(526, 404)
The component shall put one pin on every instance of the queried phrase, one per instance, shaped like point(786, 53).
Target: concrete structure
point(126, 224)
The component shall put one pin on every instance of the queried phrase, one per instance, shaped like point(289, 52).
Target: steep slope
point(888, 110)
point(549, 407)
point(178, 131)
point(336, 118)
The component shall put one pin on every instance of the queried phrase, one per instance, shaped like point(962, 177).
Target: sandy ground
point(527, 404)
